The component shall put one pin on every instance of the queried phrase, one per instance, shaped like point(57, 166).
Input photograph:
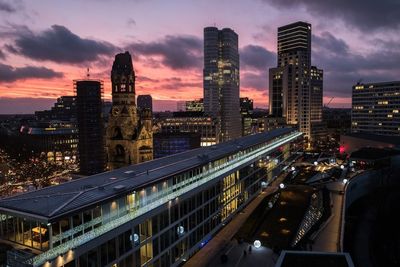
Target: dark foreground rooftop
point(371, 153)
point(55, 201)
point(313, 259)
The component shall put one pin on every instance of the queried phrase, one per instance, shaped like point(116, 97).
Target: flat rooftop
point(54, 202)
point(371, 153)
point(395, 140)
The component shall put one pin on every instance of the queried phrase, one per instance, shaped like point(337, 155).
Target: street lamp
point(257, 244)
point(315, 163)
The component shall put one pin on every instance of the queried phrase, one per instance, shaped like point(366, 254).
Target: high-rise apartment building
point(375, 108)
point(221, 80)
point(90, 125)
point(295, 93)
point(129, 136)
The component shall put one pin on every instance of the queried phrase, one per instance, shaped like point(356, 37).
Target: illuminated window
point(383, 102)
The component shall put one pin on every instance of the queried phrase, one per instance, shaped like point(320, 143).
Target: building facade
point(195, 105)
point(90, 126)
point(145, 102)
point(58, 141)
point(166, 144)
point(296, 86)
point(221, 80)
point(375, 108)
point(63, 110)
point(129, 132)
point(193, 122)
point(316, 97)
point(158, 213)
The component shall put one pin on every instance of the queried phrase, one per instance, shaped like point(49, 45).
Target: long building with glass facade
point(156, 213)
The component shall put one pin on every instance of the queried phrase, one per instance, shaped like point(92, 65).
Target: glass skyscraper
point(221, 80)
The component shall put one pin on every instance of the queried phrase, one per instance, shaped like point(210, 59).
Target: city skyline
point(37, 64)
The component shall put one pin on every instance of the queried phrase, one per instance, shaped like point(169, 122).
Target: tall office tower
point(145, 102)
point(376, 108)
point(129, 136)
point(90, 125)
point(316, 101)
point(221, 80)
point(291, 94)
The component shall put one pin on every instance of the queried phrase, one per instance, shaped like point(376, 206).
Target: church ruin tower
point(129, 141)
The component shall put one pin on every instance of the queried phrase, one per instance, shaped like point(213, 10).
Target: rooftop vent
point(119, 187)
point(132, 173)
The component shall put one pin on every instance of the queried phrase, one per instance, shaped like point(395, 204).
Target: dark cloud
point(329, 43)
point(344, 67)
point(25, 105)
point(256, 57)
point(60, 45)
point(365, 15)
point(6, 6)
point(2, 55)
point(11, 74)
point(145, 79)
point(131, 22)
point(176, 52)
point(255, 80)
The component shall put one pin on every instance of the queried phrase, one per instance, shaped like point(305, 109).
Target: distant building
point(181, 106)
point(63, 110)
point(90, 126)
point(129, 132)
point(338, 120)
point(221, 80)
point(195, 105)
point(58, 141)
point(375, 108)
point(272, 123)
point(246, 105)
point(193, 122)
point(166, 144)
point(145, 102)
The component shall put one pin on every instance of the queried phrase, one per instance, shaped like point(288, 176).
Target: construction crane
point(327, 105)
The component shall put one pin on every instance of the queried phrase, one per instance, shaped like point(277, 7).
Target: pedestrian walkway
point(328, 239)
point(223, 238)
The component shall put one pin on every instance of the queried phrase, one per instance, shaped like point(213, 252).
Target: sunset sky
point(46, 44)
